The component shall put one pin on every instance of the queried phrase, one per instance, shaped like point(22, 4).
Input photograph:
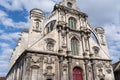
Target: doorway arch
point(77, 74)
point(102, 79)
point(49, 79)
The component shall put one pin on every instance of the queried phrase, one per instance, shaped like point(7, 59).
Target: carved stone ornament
point(50, 44)
point(101, 75)
point(49, 60)
point(74, 35)
point(99, 65)
point(50, 40)
point(49, 73)
point(35, 67)
point(99, 30)
point(35, 59)
point(109, 71)
point(96, 50)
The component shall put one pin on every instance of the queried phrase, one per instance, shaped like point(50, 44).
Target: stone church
point(62, 46)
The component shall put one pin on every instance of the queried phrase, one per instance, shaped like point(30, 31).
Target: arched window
point(74, 46)
point(77, 74)
point(69, 4)
point(50, 26)
point(72, 23)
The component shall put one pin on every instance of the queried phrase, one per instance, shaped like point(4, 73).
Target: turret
point(101, 36)
point(36, 25)
point(102, 40)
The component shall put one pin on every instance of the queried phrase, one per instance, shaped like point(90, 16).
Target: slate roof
point(116, 66)
point(2, 78)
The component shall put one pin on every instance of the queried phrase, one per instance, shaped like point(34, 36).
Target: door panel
point(77, 74)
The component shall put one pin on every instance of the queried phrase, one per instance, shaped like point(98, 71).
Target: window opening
point(72, 23)
point(74, 46)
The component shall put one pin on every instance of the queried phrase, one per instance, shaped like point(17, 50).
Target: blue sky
point(14, 17)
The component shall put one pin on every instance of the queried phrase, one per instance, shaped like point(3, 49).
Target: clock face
point(69, 4)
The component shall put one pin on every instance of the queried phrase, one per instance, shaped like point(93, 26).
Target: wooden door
point(77, 74)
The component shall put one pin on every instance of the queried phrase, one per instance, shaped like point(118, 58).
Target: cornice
point(68, 10)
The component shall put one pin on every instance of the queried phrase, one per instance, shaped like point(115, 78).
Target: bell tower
point(36, 25)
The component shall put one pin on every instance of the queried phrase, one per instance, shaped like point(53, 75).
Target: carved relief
point(108, 67)
point(100, 74)
point(49, 60)
point(89, 73)
point(76, 35)
point(108, 71)
point(62, 15)
point(96, 50)
point(102, 39)
point(37, 25)
point(50, 44)
point(99, 65)
point(37, 59)
point(63, 39)
point(49, 67)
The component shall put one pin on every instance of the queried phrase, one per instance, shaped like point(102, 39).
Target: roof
point(2, 78)
point(25, 31)
point(116, 66)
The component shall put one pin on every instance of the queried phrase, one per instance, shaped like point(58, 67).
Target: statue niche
point(50, 44)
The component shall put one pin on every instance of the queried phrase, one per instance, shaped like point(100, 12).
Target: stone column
point(93, 67)
point(82, 37)
point(24, 69)
point(27, 76)
point(68, 42)
point(69, 68)
point(87, 41)
point(86, 69)
point(60, 67)
point(59, 27)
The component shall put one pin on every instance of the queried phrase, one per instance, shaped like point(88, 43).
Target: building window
point(50, 26)
point(69, 5)
point(74, 46)
point(72, 23)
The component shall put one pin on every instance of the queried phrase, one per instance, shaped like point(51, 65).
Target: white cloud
point(4, 57)
point(45, 5)
point(101, 12)
point(113, 40)
point(8, 22)
point(10, 36)
point(1, 31)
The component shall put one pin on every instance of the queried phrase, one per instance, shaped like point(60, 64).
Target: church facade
point(62, 46)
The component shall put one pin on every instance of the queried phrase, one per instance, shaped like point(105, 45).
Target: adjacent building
point(2, 78)
point(116, 69)
point(62, 46)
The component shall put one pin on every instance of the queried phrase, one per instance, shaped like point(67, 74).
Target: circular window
point(69, 4)
point(50, 46)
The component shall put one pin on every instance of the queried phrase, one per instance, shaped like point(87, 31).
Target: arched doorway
point(77, 74)
point(49, 79)
point(102, 79)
